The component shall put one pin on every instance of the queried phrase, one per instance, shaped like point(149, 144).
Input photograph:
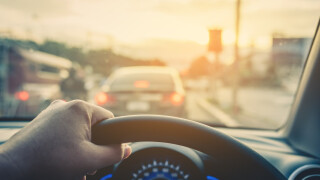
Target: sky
point(173, 30)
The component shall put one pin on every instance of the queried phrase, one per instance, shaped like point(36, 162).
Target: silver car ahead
point(143, 89)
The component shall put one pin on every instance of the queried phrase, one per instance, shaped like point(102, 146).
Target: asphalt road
point(259, 107)
point(263, 108)
point(195, 111)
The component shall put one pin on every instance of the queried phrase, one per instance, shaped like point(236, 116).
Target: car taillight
point(176, 99)
point(22, 95)
point(101, 98)
point(141, 84)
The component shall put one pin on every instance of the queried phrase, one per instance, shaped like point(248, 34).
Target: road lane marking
point(217, 113)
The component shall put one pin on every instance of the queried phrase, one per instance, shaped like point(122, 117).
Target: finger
point(96, 113)
point(52, 105)
point(102, 156)
point(99, 114)
point(127, 151)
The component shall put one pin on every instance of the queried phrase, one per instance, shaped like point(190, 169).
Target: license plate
point(151, 97)
point(141, 106)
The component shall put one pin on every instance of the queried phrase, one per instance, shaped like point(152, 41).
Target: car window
point(233, 63)
point(142, 81)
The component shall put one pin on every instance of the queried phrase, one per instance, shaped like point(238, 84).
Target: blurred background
point(233, 63)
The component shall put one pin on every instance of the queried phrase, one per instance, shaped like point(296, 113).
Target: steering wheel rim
point(240, 161)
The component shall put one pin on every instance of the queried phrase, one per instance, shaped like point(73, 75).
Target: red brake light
point(176, 99)
point(141, 84)
point(101, 98)
point(22, 95)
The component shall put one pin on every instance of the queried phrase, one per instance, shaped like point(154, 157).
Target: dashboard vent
point(307, 172)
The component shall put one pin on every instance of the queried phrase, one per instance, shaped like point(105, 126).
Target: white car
point(143, 89)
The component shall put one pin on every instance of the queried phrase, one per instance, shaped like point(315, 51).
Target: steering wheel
point(238, 161)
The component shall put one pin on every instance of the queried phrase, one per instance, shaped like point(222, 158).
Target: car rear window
point(142, 82)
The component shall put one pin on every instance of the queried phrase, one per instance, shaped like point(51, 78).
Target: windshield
point(232, 63)
point(142, 81)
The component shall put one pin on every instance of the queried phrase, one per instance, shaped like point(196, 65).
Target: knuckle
point(77, 102)
point(79, 105)
point(56, 101)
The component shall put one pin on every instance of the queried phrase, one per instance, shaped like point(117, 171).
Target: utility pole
point(215, 46)
point(236, 60)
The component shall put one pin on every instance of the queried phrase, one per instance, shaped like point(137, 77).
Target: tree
point(199, 67)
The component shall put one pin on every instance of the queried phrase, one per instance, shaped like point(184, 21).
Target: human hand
point(57, 145)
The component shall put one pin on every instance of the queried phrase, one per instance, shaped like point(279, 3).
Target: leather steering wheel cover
point(238, 161)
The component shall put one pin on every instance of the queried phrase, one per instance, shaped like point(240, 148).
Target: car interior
point(178, 148)
point(183, 149)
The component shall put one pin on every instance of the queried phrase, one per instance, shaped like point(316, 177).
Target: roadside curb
point(217, 113)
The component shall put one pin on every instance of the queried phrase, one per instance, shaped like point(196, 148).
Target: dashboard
point(164, 161)
point(154, 160)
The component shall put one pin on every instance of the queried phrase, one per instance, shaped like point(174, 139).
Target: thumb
point(102, 156)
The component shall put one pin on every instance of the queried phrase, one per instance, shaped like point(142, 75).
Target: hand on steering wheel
point(57, 145)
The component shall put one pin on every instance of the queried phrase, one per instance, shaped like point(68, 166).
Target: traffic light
point(215, 40)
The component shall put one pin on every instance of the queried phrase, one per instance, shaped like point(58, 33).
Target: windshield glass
point(138, 81)
point(232, 63)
